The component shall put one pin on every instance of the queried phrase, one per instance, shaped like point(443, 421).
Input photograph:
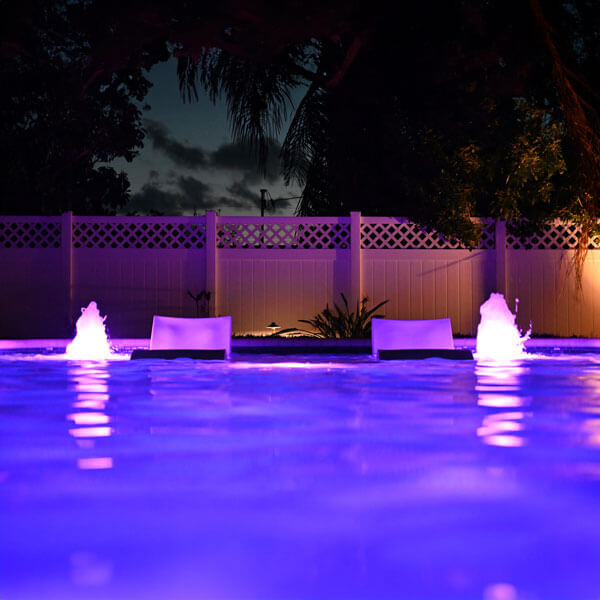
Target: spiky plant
point(341, 322)
point(202, 301)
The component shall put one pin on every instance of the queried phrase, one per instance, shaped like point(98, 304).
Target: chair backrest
point(392, 334)
point(179, 333)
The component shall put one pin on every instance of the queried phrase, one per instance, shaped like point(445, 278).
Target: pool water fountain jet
point(91, 341)
point(498, 337)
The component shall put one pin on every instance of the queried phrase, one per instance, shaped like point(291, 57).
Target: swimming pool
point(300, 477)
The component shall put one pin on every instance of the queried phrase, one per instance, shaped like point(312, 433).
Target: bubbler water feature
point(91, 341)
point(498, 337)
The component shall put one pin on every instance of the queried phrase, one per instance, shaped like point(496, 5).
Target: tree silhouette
point(58, 129)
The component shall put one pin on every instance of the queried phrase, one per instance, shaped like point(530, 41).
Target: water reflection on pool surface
point(320, 478)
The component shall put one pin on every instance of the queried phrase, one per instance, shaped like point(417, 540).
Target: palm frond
point(315, 198)
point(306, 139)
point(187, 73)
point(258, 98)
point(258, 95)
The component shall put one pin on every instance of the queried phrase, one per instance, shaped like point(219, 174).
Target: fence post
point(66, 245)
point(500, 237)
point(211, 261)
point(355, 259)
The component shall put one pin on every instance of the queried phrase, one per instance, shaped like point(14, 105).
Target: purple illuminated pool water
point(337, 478)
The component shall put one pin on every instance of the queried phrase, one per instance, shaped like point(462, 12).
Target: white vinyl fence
point(281, 269)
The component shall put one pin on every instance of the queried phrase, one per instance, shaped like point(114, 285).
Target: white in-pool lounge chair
point(426, 338)
point(175, 337)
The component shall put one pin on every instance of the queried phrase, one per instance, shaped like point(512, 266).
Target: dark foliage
point(58, 125)
point(340, 322)
point(446, 118)
point(202, 301)
point(439, 111)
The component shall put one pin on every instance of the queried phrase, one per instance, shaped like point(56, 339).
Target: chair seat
point(425, 334)
point(181, 333)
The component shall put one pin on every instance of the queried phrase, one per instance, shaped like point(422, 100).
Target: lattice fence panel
point(168, 236)
point(407, 235)
point(283, 235)
point(487, 241)
point(23, 234)
point(555, 236)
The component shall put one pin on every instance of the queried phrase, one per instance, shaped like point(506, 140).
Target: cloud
point(195, 190)
point(239, 190)
point(153, 200)
point(175, 191)
point(233, 156)
point(182, 155)
point(187, 195)
point(239, 157)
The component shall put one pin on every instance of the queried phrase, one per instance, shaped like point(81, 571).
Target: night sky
point(189, 162)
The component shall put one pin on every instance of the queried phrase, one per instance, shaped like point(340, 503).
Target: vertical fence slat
point(355, 259)
point(67, 267)
point(500, 235)
point(211, 262)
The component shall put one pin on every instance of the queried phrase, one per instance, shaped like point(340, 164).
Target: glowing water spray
point(498, 337)
point(91, 341)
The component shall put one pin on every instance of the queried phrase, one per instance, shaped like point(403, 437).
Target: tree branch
point(357, 43)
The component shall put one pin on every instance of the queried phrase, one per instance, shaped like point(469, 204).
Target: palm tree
point(259, 101)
